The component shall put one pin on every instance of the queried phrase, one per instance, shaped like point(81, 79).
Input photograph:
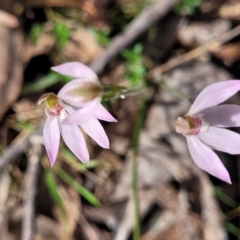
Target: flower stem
point(135, 141)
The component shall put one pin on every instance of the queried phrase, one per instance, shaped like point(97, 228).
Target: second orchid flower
point(203, 126)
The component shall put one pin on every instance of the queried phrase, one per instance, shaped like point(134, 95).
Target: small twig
point(154, 73)
point(17, 147)
point(232, 214)
point(88, 231)
point(28, 222)
point(138, 26)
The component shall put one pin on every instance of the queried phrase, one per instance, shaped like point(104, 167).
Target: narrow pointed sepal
point(206, 159)
point(51, 137)
point(95, 130)
point(75, 141)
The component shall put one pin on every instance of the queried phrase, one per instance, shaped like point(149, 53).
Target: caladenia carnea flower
point(57, 112)
point(84, 93)
point(204, 127)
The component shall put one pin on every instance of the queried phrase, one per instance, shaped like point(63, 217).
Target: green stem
point(135, 141)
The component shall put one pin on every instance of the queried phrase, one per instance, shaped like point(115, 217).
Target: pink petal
point(214, 94)
point(51, 137)
point(102, 114)
point(206, 159)
point(75, 141)
point(226, 115)
point(95, 130)
point(83, 114)
point(76, 99)
point(222, 140)
point(76, 70)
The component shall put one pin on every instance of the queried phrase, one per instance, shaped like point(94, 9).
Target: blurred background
point(145, 186)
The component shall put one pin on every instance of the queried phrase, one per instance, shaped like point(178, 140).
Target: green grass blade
point(74, 162)
point(79, 188)
point(233, 229)
point(54, 192)
point(225, 198)
point(44, 82)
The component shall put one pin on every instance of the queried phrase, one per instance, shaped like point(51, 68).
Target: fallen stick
point(16, 148)
point(28, 222)
point(157, 71)
point(138, 26)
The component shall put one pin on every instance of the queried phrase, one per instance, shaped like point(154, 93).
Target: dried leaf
point(195, 34)
point(230, 11)
point(229, 53)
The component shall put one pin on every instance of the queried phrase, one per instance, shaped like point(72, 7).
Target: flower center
point(53, 107)
point(190, 125)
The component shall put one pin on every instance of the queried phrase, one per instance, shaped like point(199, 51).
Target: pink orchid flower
point(84, 93)
point(56, 111)
point(77, 104)
point(203, 127)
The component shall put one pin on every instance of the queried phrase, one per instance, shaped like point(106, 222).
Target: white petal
point(75, 141)
point(222, 140)
point(95, 130)
point(51, 136)
point(206, 159)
